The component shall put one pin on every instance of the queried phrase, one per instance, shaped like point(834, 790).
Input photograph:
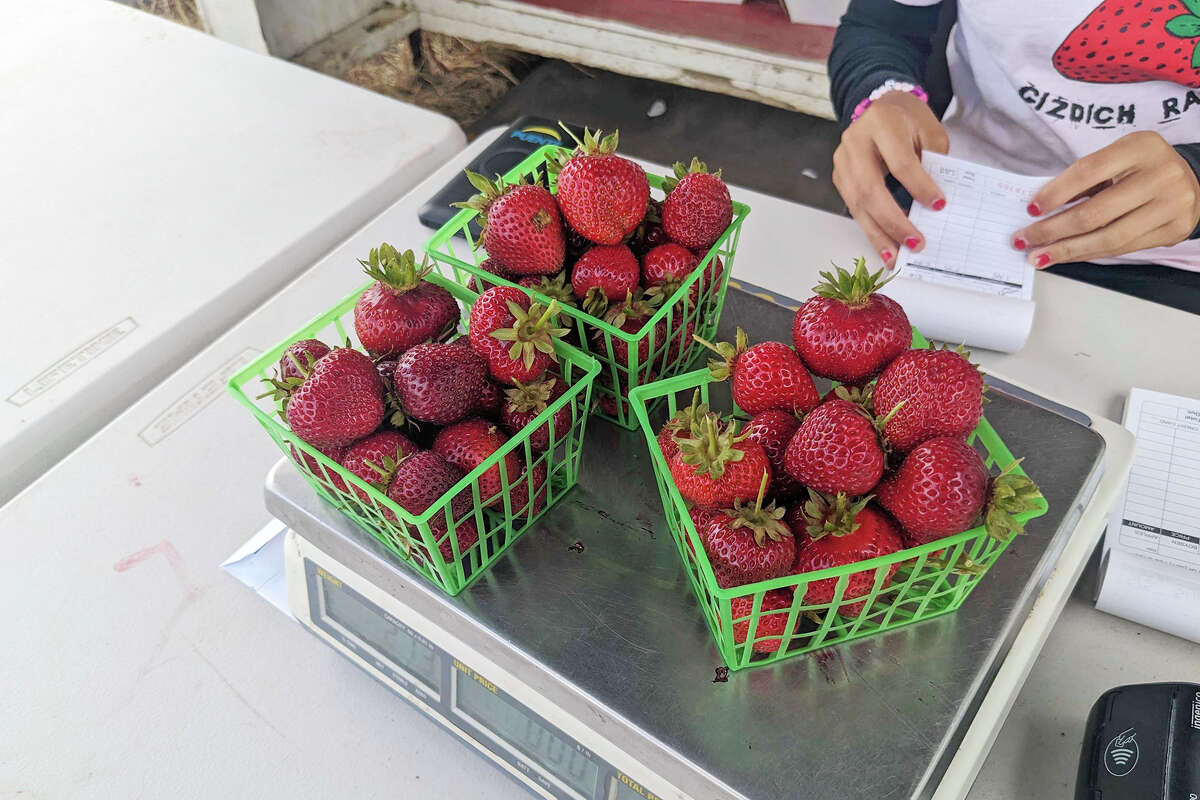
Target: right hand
point(889, 137)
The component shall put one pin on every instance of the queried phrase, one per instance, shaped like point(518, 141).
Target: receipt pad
point(1142, 743)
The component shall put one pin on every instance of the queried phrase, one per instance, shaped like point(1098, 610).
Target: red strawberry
point(943, 487)
point(577, 243)
point(681, 424)
point(842, 532)
point(401, 309)
point(339, 402)
point(440, 383)
point(715, 467)
point(468, 444)
point(847, 332)
point(1132, 41)
point(325, 476)
point(713, 273)
point(420, 480)
point(521, 225)
point(648, 236)
point(298, 358)
point(607, 401)
point(514, 334)
point(680, 340)
point(836, 449)
point(630, 317)
point(556, 287)
point(667, 266)
point(772, 619)
point(773, 429)
point(467, 534)
point(492, 267)
point(697, 209)
point(374, 458)
point(933, 392)
point(749, 543)
point(604, 274)
point(526, 401)
point(519, 496)
point(387, 372)
point(602, 195)
point(490, 399)
point(765, 376)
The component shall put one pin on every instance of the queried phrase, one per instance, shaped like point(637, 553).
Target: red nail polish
point(886, 255)
point(1033, 210)
point(939, 204)
point(1020, 243)
point(912, 242)
point(1043, 260)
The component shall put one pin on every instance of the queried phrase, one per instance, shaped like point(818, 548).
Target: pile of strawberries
point(878, 464)
point(423, 406)
point(603, 245)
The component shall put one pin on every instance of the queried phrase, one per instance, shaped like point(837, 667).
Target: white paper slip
point(259, 564)
point(968, 285)
point(1151, 568)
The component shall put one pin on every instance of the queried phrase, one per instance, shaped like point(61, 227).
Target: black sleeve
point(877, 40)
point(1191, 154)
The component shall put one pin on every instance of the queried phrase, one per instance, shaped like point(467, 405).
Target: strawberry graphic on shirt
point(1131, 41)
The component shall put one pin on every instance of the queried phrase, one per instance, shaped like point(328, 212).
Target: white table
point(159, 184)
point(137, 666)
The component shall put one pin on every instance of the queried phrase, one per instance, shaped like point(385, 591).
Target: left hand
point(1140, 194)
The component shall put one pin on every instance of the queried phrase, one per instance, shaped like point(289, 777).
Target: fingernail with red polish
point(1020, 243)
point(939, 204)
point(1042, 260)
point(912, 242)
point(886, 255)
point(1033, 210)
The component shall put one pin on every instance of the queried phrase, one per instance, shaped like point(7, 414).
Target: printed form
point(1152, 550)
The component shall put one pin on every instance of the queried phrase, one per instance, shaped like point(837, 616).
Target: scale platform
point(580, 664)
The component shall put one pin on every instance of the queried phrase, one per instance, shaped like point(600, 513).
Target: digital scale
point(581, 666)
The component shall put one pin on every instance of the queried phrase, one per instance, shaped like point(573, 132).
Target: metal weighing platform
point(588, 672)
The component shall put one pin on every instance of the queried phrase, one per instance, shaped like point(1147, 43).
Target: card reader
point(1142, 742)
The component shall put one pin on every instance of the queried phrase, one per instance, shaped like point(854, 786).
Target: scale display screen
point(514, 725)
point(394, 643)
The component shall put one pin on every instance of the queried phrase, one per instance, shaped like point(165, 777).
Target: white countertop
point(158, 185)
point(137, 667)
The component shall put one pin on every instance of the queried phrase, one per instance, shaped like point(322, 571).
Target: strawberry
point(420, 480)
point(1132, 41)
point(680, 340)
point(630, 317)
point(666, 267)
point(387, 372)
point(749, 543)
point(577, 243)
point(840, 532)
point(607, 401)
point(401, 309)
point(313, 466)
point(848, 333)
point(715, 467)
point(934, 393)
point(298, 358)
point(339, 401)
point(772, 619)
point(556, 287)
point(711, 283)
point(467, 534)
point(514, 334)
point(836, 449)
point(490, 399)
point(648, 236)
point(773, 429)
point(602, 195)
point(493, 267)
point(604, 274)
point(519, 495)
point(765, 376)
point(697, 209)
point(680, 423)
point(526, 401)
point(521, 225)
point(374, 458)
point(468, 444)
point(440, 383)
point(943, 487)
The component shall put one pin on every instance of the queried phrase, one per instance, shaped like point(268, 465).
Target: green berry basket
point(930, 580)
point(671, 348)
point(408, 537)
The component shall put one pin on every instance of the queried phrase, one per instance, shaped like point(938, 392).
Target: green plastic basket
point(669, 332)
point(409, 537)
point(925, 585)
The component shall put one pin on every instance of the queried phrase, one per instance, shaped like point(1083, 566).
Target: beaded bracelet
point(889, 85)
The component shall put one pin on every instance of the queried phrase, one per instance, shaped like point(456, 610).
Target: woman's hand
point(889, 137)
point(1140, 193)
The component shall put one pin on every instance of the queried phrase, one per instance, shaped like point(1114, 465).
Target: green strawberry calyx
point(532, 331)
point(721, 369)
point(1012, 494)
point(639, 309)
point(530, 398)
point(396, 271)
point(595, 302)
point(556, 287)
point(852, 288)
point(836, 515)
point(594, 143)
point(764, 522)
point(1187, 26)
point(386, 469)
point(710, 446)
point(686, 418)
point(681, 171)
